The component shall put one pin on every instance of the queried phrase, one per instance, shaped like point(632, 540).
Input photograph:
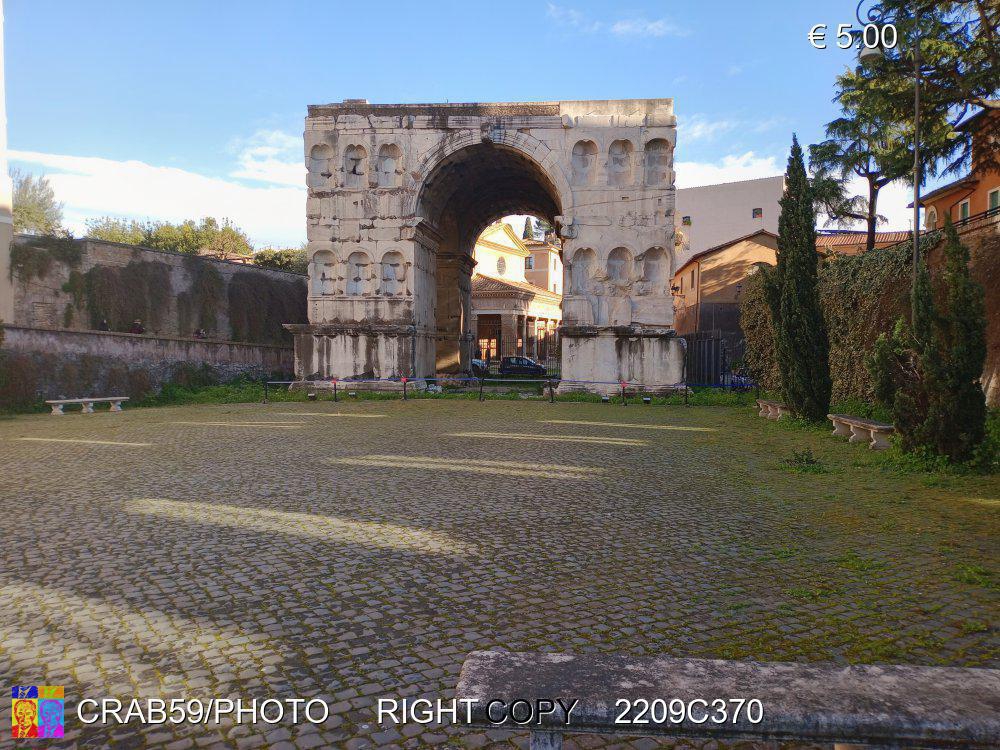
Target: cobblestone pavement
point(360, 550)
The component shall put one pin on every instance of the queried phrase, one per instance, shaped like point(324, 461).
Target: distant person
point(103, 325)
point(200, 334)
point(137, 327)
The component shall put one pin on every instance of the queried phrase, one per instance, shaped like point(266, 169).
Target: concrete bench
point(858, 430)
point(772, 409)
point(889, 706)
point(87, 403)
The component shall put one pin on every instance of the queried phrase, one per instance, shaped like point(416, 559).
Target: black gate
point(713, 358)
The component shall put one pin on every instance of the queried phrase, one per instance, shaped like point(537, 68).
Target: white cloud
point(701, 128)
point(646, 27)
point(573, 18)
point(731, 168)
point(623, 27)
point(92, 186)
point(270, 156)
point(734, 70)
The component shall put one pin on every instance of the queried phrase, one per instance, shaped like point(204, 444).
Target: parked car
point(521, 366)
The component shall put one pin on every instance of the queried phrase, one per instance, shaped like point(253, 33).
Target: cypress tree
point(928, 372)
point(529, 232)
point(802, 348)
point(958, 414)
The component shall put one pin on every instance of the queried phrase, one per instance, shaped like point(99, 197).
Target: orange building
point(979, 191)
point(707, 288)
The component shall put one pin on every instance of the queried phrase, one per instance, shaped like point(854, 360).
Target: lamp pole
point(877, 15)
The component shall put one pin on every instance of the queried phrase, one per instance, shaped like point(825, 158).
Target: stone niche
point(399, 193)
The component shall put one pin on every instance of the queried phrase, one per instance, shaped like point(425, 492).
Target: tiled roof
point(839, 239)
point(491, 285)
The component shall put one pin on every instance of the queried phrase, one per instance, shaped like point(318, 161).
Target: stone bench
point(858, 430)
point(772, 409)
point(888, 706)
point(87, 403)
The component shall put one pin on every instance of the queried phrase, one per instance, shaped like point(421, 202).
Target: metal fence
point(714, 358)
point(491, 349)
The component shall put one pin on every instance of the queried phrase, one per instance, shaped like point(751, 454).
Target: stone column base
point(604, 356)
point(342, 351)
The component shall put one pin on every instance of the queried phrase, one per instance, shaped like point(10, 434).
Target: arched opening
point(358, 274)
point(467, 192)
point(389, 166)
point(393, 282)
point(323, 273)
point(355, 167)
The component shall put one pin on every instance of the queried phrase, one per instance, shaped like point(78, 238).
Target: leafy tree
point(209, 236)
point(928, 372)
point(289, 259)
point(109, 229)
point(542, 227)
point(35, 210)
point(863, 142)
point(960, 71)
point(529, 231)
point(801, 345)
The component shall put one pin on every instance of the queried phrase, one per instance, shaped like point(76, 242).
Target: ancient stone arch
point(402, 306)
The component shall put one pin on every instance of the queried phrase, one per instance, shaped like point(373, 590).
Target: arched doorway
point(464, 193)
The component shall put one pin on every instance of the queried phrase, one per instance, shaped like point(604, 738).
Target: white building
point(711, 215)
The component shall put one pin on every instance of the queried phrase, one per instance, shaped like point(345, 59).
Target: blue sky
point(180, 109)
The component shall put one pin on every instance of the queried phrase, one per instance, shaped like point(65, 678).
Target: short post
point(265, 391)
point(404, 389)
point(545, 741)
point(334, 381)
point(686, 394)
point(624, 401)
point(552, 393)
point(480, 388)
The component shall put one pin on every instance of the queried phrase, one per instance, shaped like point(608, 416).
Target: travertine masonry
point(399, 193)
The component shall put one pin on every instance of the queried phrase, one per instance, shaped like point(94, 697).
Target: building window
point(932, 218)
point(963, 210)
point(529, 263)
point(686, 221)
point(994, 199)
point(501, 266)
point(553, 264)
point(758, 213)
point(692, 278)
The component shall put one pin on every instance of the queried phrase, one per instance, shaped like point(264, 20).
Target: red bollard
point(624, 402)
point(404, 388)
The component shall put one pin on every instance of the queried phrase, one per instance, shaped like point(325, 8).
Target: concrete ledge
point(894, 706)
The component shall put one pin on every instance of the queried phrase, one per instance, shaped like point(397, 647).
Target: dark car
point(521, 366)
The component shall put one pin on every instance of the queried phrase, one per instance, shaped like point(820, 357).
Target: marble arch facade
point(399, 193)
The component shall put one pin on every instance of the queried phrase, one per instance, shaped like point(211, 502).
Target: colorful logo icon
point(37, 711)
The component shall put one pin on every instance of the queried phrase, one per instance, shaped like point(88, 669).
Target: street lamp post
point(876, 14)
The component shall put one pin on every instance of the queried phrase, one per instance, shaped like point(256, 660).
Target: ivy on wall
point(259, 305)
point(199, 306)
point(34, 258)
point(140, 290)
point(861, 295)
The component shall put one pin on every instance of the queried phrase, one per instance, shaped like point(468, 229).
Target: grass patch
point(804, 462)
point(807, 594)
point(857, 563)
point(974, 575)
point(969, 627)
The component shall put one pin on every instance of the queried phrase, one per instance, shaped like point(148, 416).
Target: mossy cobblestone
point(360, 550)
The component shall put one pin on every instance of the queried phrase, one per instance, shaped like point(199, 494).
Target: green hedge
point(862, 296)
